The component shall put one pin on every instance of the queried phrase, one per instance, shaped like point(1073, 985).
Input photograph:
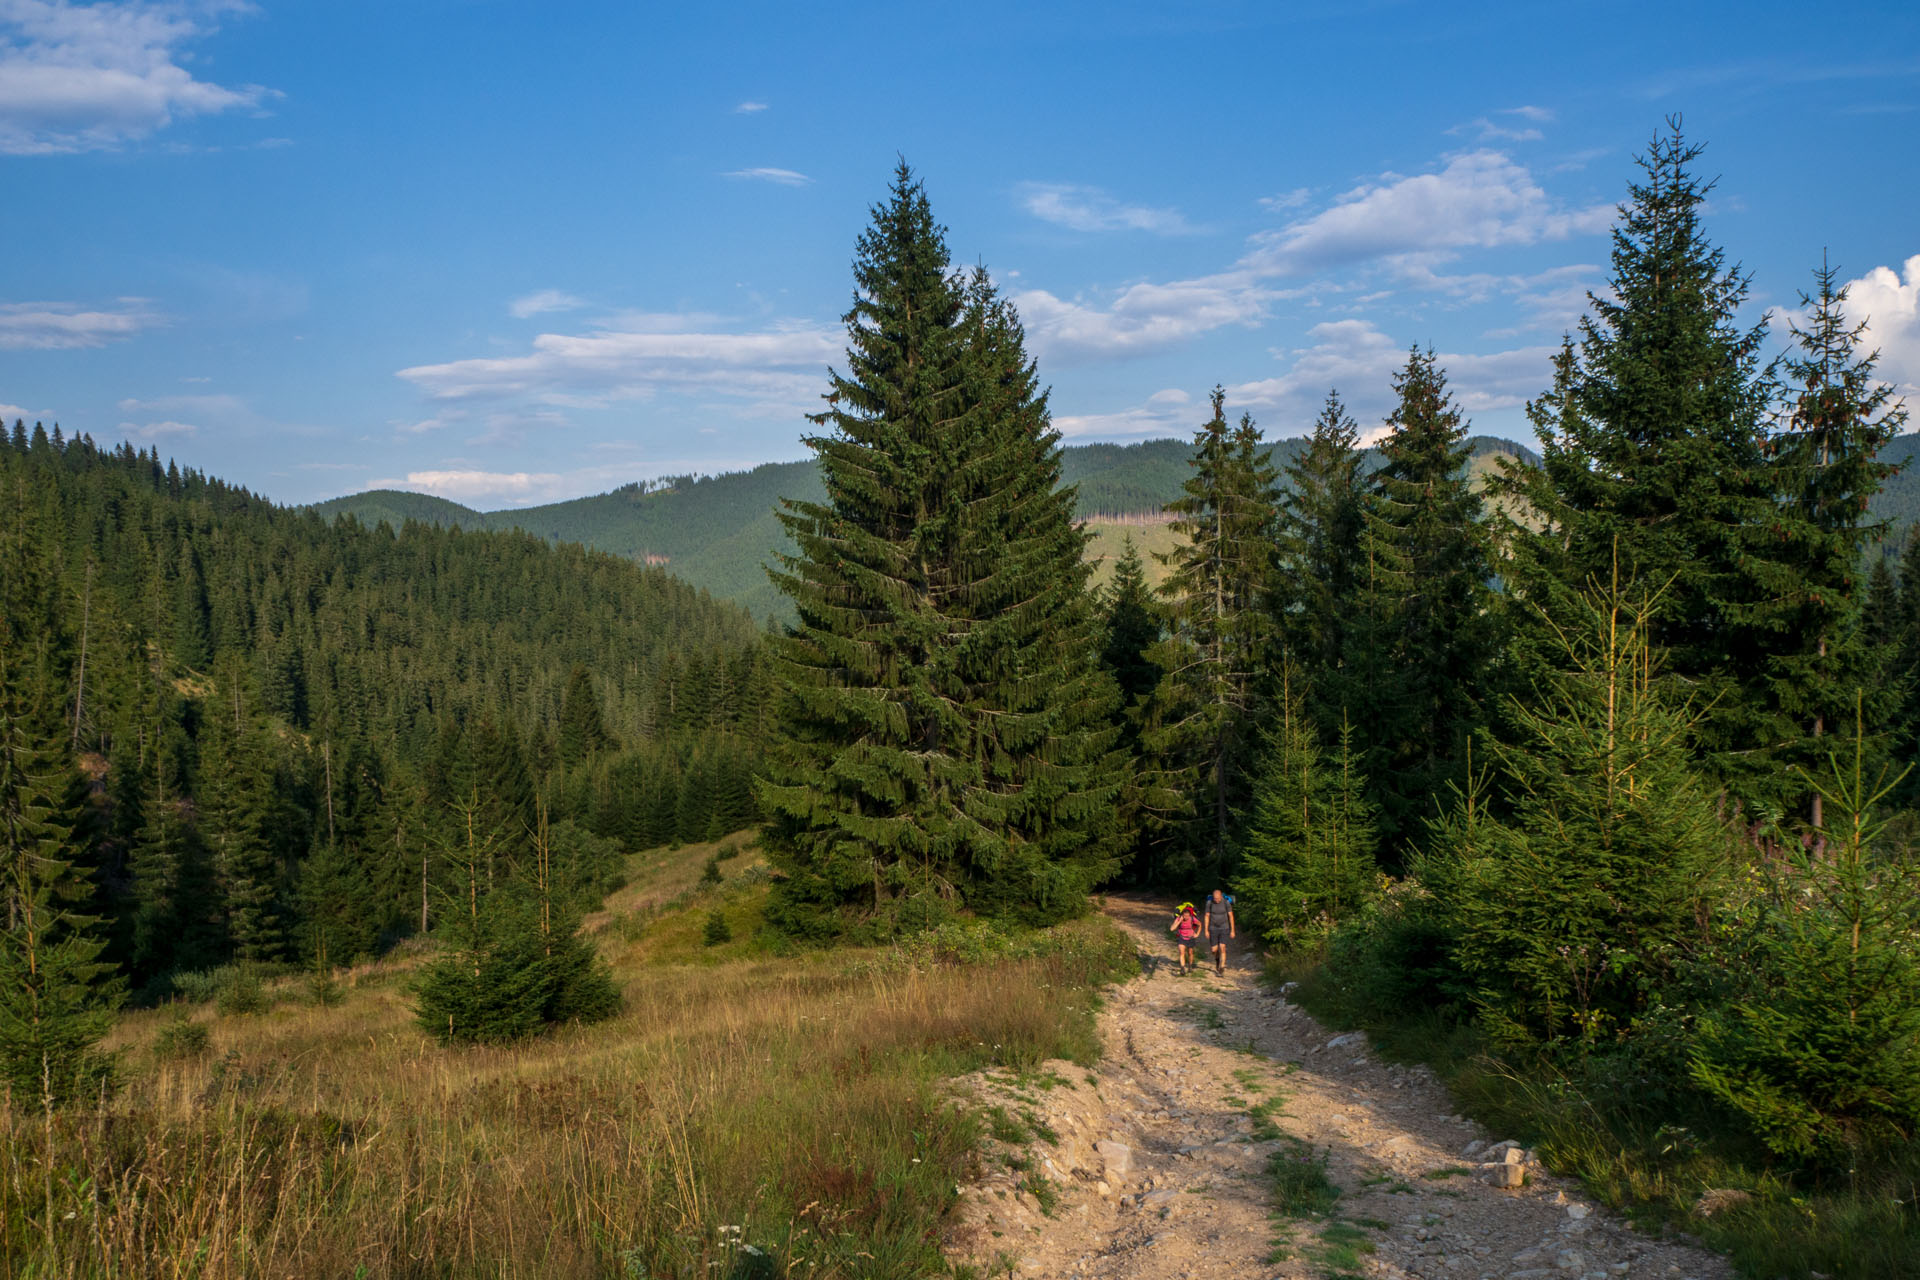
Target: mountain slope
point(719, 532)
point(397, 507)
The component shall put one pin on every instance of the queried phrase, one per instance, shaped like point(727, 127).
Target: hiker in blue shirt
point(1219, 927)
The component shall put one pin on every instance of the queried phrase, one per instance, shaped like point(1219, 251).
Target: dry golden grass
point(1108, 537)
point(759, 1117)
point(662, 878)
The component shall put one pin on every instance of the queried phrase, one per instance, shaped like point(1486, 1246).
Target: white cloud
point(662, 321)
point(81, 77)
point(1166, 413)
point(545, 300)
point(519, 487)
point(1359, 360)
point(1090, 209)
point(779, 177)
point(158, 430)
point(774, 371)
point(1889, 302)
point(1141, 318)
point(1408, 226)
point(621, 462)
point(1553, 299)
point(1495, 127)
point(510, 427)
point(447, 417)
point(1293, 199)
point(749, 108)
point(1480, 200)
point(52, 326)
point(199, 406)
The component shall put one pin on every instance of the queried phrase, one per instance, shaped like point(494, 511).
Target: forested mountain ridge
point(273, 727)
point(717, 532)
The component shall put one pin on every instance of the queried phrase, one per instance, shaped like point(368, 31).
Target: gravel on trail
point(1160, 1162)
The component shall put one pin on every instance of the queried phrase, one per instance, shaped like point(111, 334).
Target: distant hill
point(717, 532)
point(397, 507)
point(1898, 501)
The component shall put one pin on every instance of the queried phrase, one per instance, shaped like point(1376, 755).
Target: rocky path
point(1160, 1164)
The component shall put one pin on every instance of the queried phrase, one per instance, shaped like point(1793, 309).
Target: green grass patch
point(1043, 1191)
point(1202, 1014)
point(1301, 1187)
point(1005, 1127)
point(1341, 1247)
point(1263, 1112)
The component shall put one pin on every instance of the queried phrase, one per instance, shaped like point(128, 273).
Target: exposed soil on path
point(1157, 1164)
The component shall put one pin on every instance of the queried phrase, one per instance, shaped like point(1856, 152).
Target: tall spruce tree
point(1132, 627)
point(1903, 659)
point(1805, 550)
point(56, 995)
point(155, 862)
point(1220, 634)
point(947, 731)
point(582, 732)
point(340, 920)
point(239, 816)
point(1880, 617)
point(1424, 619)
point(1651, 449)
point(1319, 557)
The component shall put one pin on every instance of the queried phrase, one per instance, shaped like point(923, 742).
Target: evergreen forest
point(236, 732)
point(1592, 759)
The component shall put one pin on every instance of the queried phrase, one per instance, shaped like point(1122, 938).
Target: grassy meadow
point(753, 1112)
point(1107, 537)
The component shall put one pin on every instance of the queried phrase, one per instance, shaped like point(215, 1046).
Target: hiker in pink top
point(1186, 925)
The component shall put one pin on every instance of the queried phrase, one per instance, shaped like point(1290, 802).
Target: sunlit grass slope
point(751, 1113)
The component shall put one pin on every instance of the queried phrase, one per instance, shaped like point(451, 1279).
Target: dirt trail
point(1158, 1163)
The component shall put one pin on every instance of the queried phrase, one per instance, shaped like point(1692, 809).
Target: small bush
point(1821, 1054)
point(710, 874)
point(180, 1037)
point(717, 931)
point(195, 987)
point(241, 993)
point(1391, 960)
point(199, 986)
point(511, 980)
point(325, 990)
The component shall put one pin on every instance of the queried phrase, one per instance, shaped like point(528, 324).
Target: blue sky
point(513, 252)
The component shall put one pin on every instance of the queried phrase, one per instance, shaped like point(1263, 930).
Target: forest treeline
point(231, 731)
